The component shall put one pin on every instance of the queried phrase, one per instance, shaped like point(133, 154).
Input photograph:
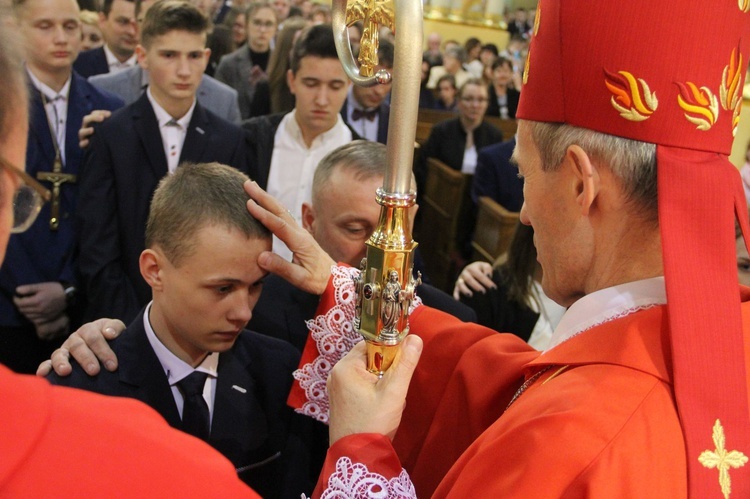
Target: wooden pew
point(440, 211)
point(427, 118)
point(494, 230)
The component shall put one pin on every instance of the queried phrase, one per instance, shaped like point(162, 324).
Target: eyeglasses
point(261, 24)
point(28, 199)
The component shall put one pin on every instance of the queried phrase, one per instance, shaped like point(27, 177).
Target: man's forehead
point(122, 7)
point(178, 41)
point(313, 65)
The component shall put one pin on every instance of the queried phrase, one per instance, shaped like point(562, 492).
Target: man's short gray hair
point(632, 162)
point(365, 158)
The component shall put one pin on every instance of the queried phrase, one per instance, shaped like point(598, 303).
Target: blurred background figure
point(433, 54)
point(507, 296)
point(235, 20)
point(473, 47)
point(503, 96)
point(91, 35)
point(456, 143)
point(245, 67)
point(320, 14)
point(272, 94)
point(446, 98)
point(453, 60)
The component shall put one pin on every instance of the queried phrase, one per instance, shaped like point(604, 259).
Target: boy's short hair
point(172, 15)
point(314, 41)
point(107, 6)
point(194, 196)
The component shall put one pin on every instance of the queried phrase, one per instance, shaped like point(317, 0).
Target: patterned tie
point(195, 416)
point(358, 114)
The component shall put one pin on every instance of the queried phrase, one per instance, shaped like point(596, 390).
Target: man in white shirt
point(119, 29)
point(284, 150)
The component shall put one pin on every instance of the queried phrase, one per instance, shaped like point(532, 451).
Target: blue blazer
point(496, 177)
point(250, 425)
point(91, 62)
point(40, 254)
point(123, 165)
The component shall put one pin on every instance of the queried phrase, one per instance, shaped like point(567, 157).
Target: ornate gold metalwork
point(386, 286)
point(373, 14)
point(722, 459)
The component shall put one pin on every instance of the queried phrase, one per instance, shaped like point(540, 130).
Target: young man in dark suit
point(117, 22)
point(38, 280)
point(284, 149)
point(192, 331)
point(366, 109)
point(140, 144)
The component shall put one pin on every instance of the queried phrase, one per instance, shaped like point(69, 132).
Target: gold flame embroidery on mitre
point(730, 91)
point(744, 5)
point(700, 105)
point(722, 459)
point(632, 96)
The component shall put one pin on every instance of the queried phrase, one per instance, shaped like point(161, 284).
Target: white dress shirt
point(365, 128)
point(293, 165)
point(173, 131)
point(114, 63)
point(56, 107)
point(608, 304)
point(176, 369)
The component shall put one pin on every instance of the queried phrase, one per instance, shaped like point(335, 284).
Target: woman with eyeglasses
point(243, 68)
point(455, 142)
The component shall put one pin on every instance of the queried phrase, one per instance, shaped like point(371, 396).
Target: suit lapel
point(239, 427)
point(39, 128)
point(79, 105)
point(197, 137)
point(147, 128)
point(141, 370)
point(384, 115)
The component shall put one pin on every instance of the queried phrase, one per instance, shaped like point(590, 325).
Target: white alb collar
point(608, 304)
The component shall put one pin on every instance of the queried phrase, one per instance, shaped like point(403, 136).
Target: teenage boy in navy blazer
point(131, 151)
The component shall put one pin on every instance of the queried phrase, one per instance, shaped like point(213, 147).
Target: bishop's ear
point(585, 175)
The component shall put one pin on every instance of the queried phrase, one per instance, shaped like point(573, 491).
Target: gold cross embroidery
point(722, 459)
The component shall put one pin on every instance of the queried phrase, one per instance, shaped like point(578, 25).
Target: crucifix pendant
point(56, 177)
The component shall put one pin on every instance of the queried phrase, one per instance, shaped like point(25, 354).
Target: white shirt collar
point(608, 304)
point(163, 117)
point(175, 368)
point(291, 127)
point(47, 91)
point(115, 64)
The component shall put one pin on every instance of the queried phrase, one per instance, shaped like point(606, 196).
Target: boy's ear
point(290, 81)
point(308, 217)
point(140, 53)
point(150, 263)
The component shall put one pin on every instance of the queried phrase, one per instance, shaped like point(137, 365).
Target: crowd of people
point(202, 176)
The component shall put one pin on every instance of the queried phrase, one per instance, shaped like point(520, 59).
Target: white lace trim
point(355, 481)
point(334, 336)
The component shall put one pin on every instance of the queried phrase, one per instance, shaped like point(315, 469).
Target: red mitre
point(671, 73)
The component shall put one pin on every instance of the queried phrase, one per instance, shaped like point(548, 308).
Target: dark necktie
point(195, 416)
point(358, 114)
